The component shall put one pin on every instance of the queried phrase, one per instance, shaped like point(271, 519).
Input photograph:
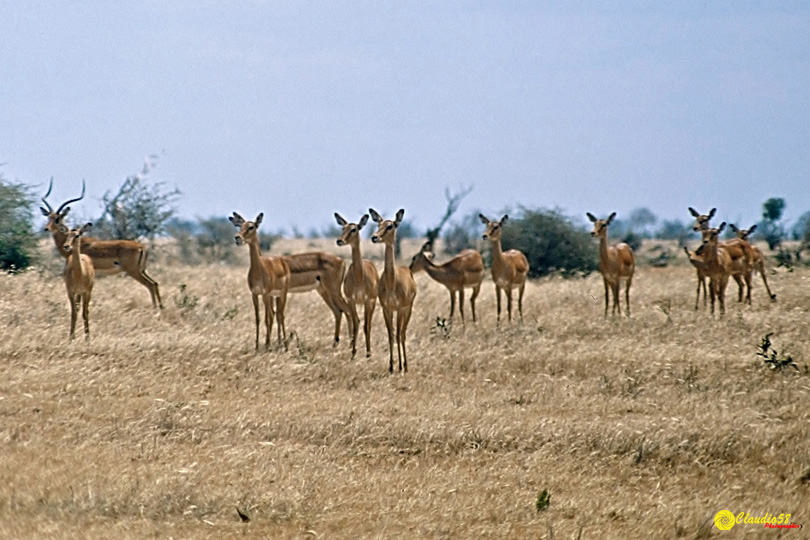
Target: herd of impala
point(272, 278)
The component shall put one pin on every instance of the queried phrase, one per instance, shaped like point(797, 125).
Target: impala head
point(248, 230)
point(742, 233)
point(600, 226)
point(711, 236)
point(351, 231)
point(74, 236)
point(56, 218)
point(386, 228)
point(701, 220)
point(494, 228)
point(423, 259)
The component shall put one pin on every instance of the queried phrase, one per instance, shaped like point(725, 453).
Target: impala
point(758, 262)
point(361, 281)
point(109, 256)
point(509, 268)
point(701, 224)
point(396, 289)
point(741, 253)
point(268, 278)
point(465, 270)
point(321, 272)
point(616, 263)
point(79, 275)
point(717, 265)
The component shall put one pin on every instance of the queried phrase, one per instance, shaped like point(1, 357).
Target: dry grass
point(162, 425)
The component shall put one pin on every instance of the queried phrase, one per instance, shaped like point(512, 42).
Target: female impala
point(464, 270)
point(268, 278)
point(718, 266)
point(615, 263)
point(396, 289)
point(361, 281)
point(79, 275)
point(509, 269)
point(758, 262)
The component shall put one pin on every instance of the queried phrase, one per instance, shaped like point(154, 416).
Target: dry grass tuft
point(169, 425)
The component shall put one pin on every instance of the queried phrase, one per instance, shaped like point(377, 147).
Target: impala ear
point(44, 212)
point(86, 227)
point(610, 218)
point(483, 219)
point(375, 216)
point(711, 212)
point(259, 219)
point(752, 229)
point(694, 212)
point(591, 217)
point(721, 227)
point(733, 227)
point(340, 221)
point(236, 219)
point(426, 248)
point(504, 219)
point(64, 212)
point(363, 221)
point(400, 215)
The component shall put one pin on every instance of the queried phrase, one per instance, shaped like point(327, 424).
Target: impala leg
point(403, 318)
point(712, 291)
point(268, 319)
point(520, 299)
point(627, 294)
point(281, 306)
point(739, 281)
point(721, 294)
point(355, 326)
point(475, 292)
point(256, 314)
point(86, 314)
point(748, 287)
point(73, 308)
point(367, 316)
point(389, 325)
point(616, 307)
point(461, 304)
point(498, 293)
point(765, 281)
point(452, 302)
point(607, 297)
point(509, 302)
point(142, 278)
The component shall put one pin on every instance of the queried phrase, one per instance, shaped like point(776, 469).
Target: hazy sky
point(301, 109)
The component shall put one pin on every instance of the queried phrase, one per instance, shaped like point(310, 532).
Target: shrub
point(551, 243)
point(17, 239)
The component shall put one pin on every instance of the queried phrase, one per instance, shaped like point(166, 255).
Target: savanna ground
point(163, 424)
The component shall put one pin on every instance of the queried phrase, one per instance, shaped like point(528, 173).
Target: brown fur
point(361, 281)
point(79, 275)
point(509, 268)
point(465, 270)
point(396, 289)
point(615, 263)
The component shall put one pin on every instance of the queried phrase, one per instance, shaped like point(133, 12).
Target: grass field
point(163, 424)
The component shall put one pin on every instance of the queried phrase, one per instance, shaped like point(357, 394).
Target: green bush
point(18, 243)
point(551, 242)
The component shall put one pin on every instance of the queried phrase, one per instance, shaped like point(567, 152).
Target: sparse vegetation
point(163, 424)
point(17, 239)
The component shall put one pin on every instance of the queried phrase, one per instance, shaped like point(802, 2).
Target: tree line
point(555, 243)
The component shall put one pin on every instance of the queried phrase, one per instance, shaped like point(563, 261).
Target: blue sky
point(301, 109)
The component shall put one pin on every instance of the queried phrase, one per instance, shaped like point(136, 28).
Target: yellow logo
point(724, 520)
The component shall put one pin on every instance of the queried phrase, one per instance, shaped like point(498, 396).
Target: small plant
point(543, 500)
point(665, 305)
point(443, 328)
point(772, 357)
point(186, 300)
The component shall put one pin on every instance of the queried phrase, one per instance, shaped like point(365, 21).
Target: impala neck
point(603, 248)
point(357, 259)
point(59, 239)
point(497, 252)
point(255, 253)
point(437, 272)
point(389, 272)
point(75, 257)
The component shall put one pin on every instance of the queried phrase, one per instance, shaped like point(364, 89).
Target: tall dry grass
point(163, 424)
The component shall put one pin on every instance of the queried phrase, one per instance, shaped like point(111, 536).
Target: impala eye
point(353, 230)
point(390, 226)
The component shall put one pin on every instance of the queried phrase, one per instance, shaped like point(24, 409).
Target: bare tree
point(453, 202)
